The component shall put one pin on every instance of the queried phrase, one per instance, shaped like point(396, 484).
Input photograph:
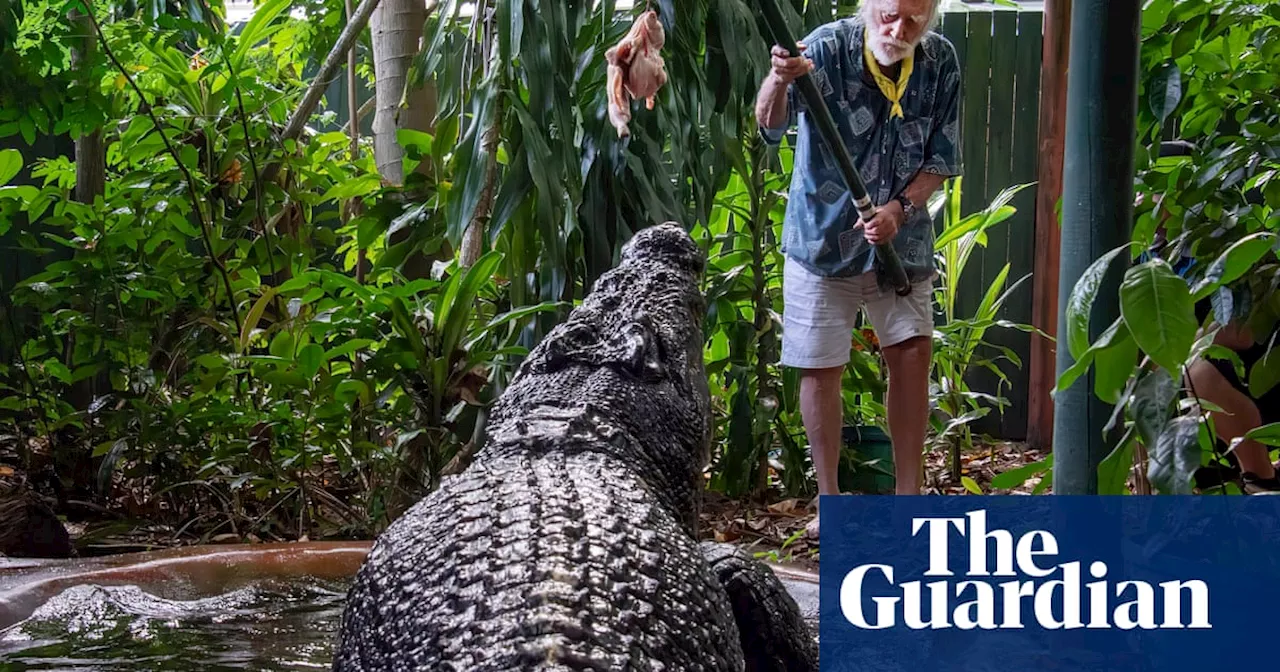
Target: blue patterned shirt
point(888, 151)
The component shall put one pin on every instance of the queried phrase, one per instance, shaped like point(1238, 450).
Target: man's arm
point(773, 113)
point(922, 187)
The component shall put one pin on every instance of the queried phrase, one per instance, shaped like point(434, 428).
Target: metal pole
point(1097, 212)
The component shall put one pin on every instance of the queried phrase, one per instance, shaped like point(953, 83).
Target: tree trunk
point(397, 34)
point(91, 169)
point(91, 154)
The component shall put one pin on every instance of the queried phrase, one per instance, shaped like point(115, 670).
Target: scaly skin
point(570, 542)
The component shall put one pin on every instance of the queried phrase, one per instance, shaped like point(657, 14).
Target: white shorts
point(819, 315)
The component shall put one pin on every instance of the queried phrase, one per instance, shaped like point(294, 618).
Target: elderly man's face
point(896, 26)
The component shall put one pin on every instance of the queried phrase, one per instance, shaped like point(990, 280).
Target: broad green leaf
point(346, 348)
point(1265, 373)
point(310, 359)
point(1175, 457)
point(1113, 471)
point(1085, 360)
point(282, 345)
point(348, 390)
point(1233, 263)
point(1019, 475)
point(1165, 90)
point(10, 165)
point(1114, 366)
point(1157, 307)
point(1080, 303)
point(1266, 434)
point(1151, 405)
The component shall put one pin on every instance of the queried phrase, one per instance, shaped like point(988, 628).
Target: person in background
point(892, 86)
point(1215, 380)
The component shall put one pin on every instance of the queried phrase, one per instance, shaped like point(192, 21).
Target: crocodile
point(571, 540)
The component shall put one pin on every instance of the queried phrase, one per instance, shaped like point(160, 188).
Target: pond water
point(273, 608)
point(267, 626)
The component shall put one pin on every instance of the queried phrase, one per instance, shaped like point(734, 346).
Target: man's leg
point(1241, 416)
point(822, 410)
point(904, 326)
point(817, 328)
point(907, 405)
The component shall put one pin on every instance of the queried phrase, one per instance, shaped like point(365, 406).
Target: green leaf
point(1157, 307)
point(1266, 434)
point(10, 165)
point(347, 348)
point(1015, 477)
point(1265, 374)
point(1176, 456)
point(310, 359)
point(1080, 303)
point(362, 185)
point(1115, 365)
point(1165, 90)
point(405, 324)
point(259, 27)
point(282, 345)
point(1113, 471)
point(348, 390)
point(1233, 263)
point(1084, 361)
point(1151, 405)
point(970, 485)
point(255, 314)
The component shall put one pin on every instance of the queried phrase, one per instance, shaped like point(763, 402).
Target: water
point(264, 626)
point(260, 612)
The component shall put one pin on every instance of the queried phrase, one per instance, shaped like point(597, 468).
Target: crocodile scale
point(570, 542)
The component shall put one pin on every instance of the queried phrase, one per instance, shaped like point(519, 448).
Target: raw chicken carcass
point(636, 69)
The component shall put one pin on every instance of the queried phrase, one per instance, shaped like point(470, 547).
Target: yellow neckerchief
point(894, 92)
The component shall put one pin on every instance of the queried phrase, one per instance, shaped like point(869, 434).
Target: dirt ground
point(774, 529)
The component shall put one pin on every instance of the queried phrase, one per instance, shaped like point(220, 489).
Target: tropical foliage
point(1212, 77)
point(255, 334)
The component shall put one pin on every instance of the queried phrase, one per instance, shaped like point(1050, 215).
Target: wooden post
point(1044, 308)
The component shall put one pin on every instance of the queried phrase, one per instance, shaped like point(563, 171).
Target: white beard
point(888, 50)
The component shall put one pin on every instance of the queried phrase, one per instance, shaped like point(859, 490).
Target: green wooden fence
point(999, 52)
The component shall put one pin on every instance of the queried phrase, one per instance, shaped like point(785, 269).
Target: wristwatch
point(908, 208)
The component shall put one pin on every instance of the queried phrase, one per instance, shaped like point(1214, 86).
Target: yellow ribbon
point(894, 92)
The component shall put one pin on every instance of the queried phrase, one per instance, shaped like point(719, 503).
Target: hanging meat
point(636, 70)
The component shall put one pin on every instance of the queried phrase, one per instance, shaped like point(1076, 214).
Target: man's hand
point(787, 68)
point(885, 224)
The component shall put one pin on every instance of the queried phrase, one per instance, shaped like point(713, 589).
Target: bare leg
point(1241, 416)
point(907, 404)
point(822, 410)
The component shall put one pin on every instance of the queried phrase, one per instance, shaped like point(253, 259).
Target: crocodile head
point(624, 374)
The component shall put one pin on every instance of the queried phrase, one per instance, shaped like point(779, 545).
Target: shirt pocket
point(913, 141)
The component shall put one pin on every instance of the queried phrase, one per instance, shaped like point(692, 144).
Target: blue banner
point(1061, 583)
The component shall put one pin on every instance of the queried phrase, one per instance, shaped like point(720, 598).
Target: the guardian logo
point(990, 605)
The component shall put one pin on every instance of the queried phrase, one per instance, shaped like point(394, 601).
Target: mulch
point(773, 528)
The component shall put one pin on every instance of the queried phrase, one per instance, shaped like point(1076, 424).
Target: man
point(893, 87)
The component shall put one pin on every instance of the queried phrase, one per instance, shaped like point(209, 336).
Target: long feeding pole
point(1097, 212)
point(887, 256)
